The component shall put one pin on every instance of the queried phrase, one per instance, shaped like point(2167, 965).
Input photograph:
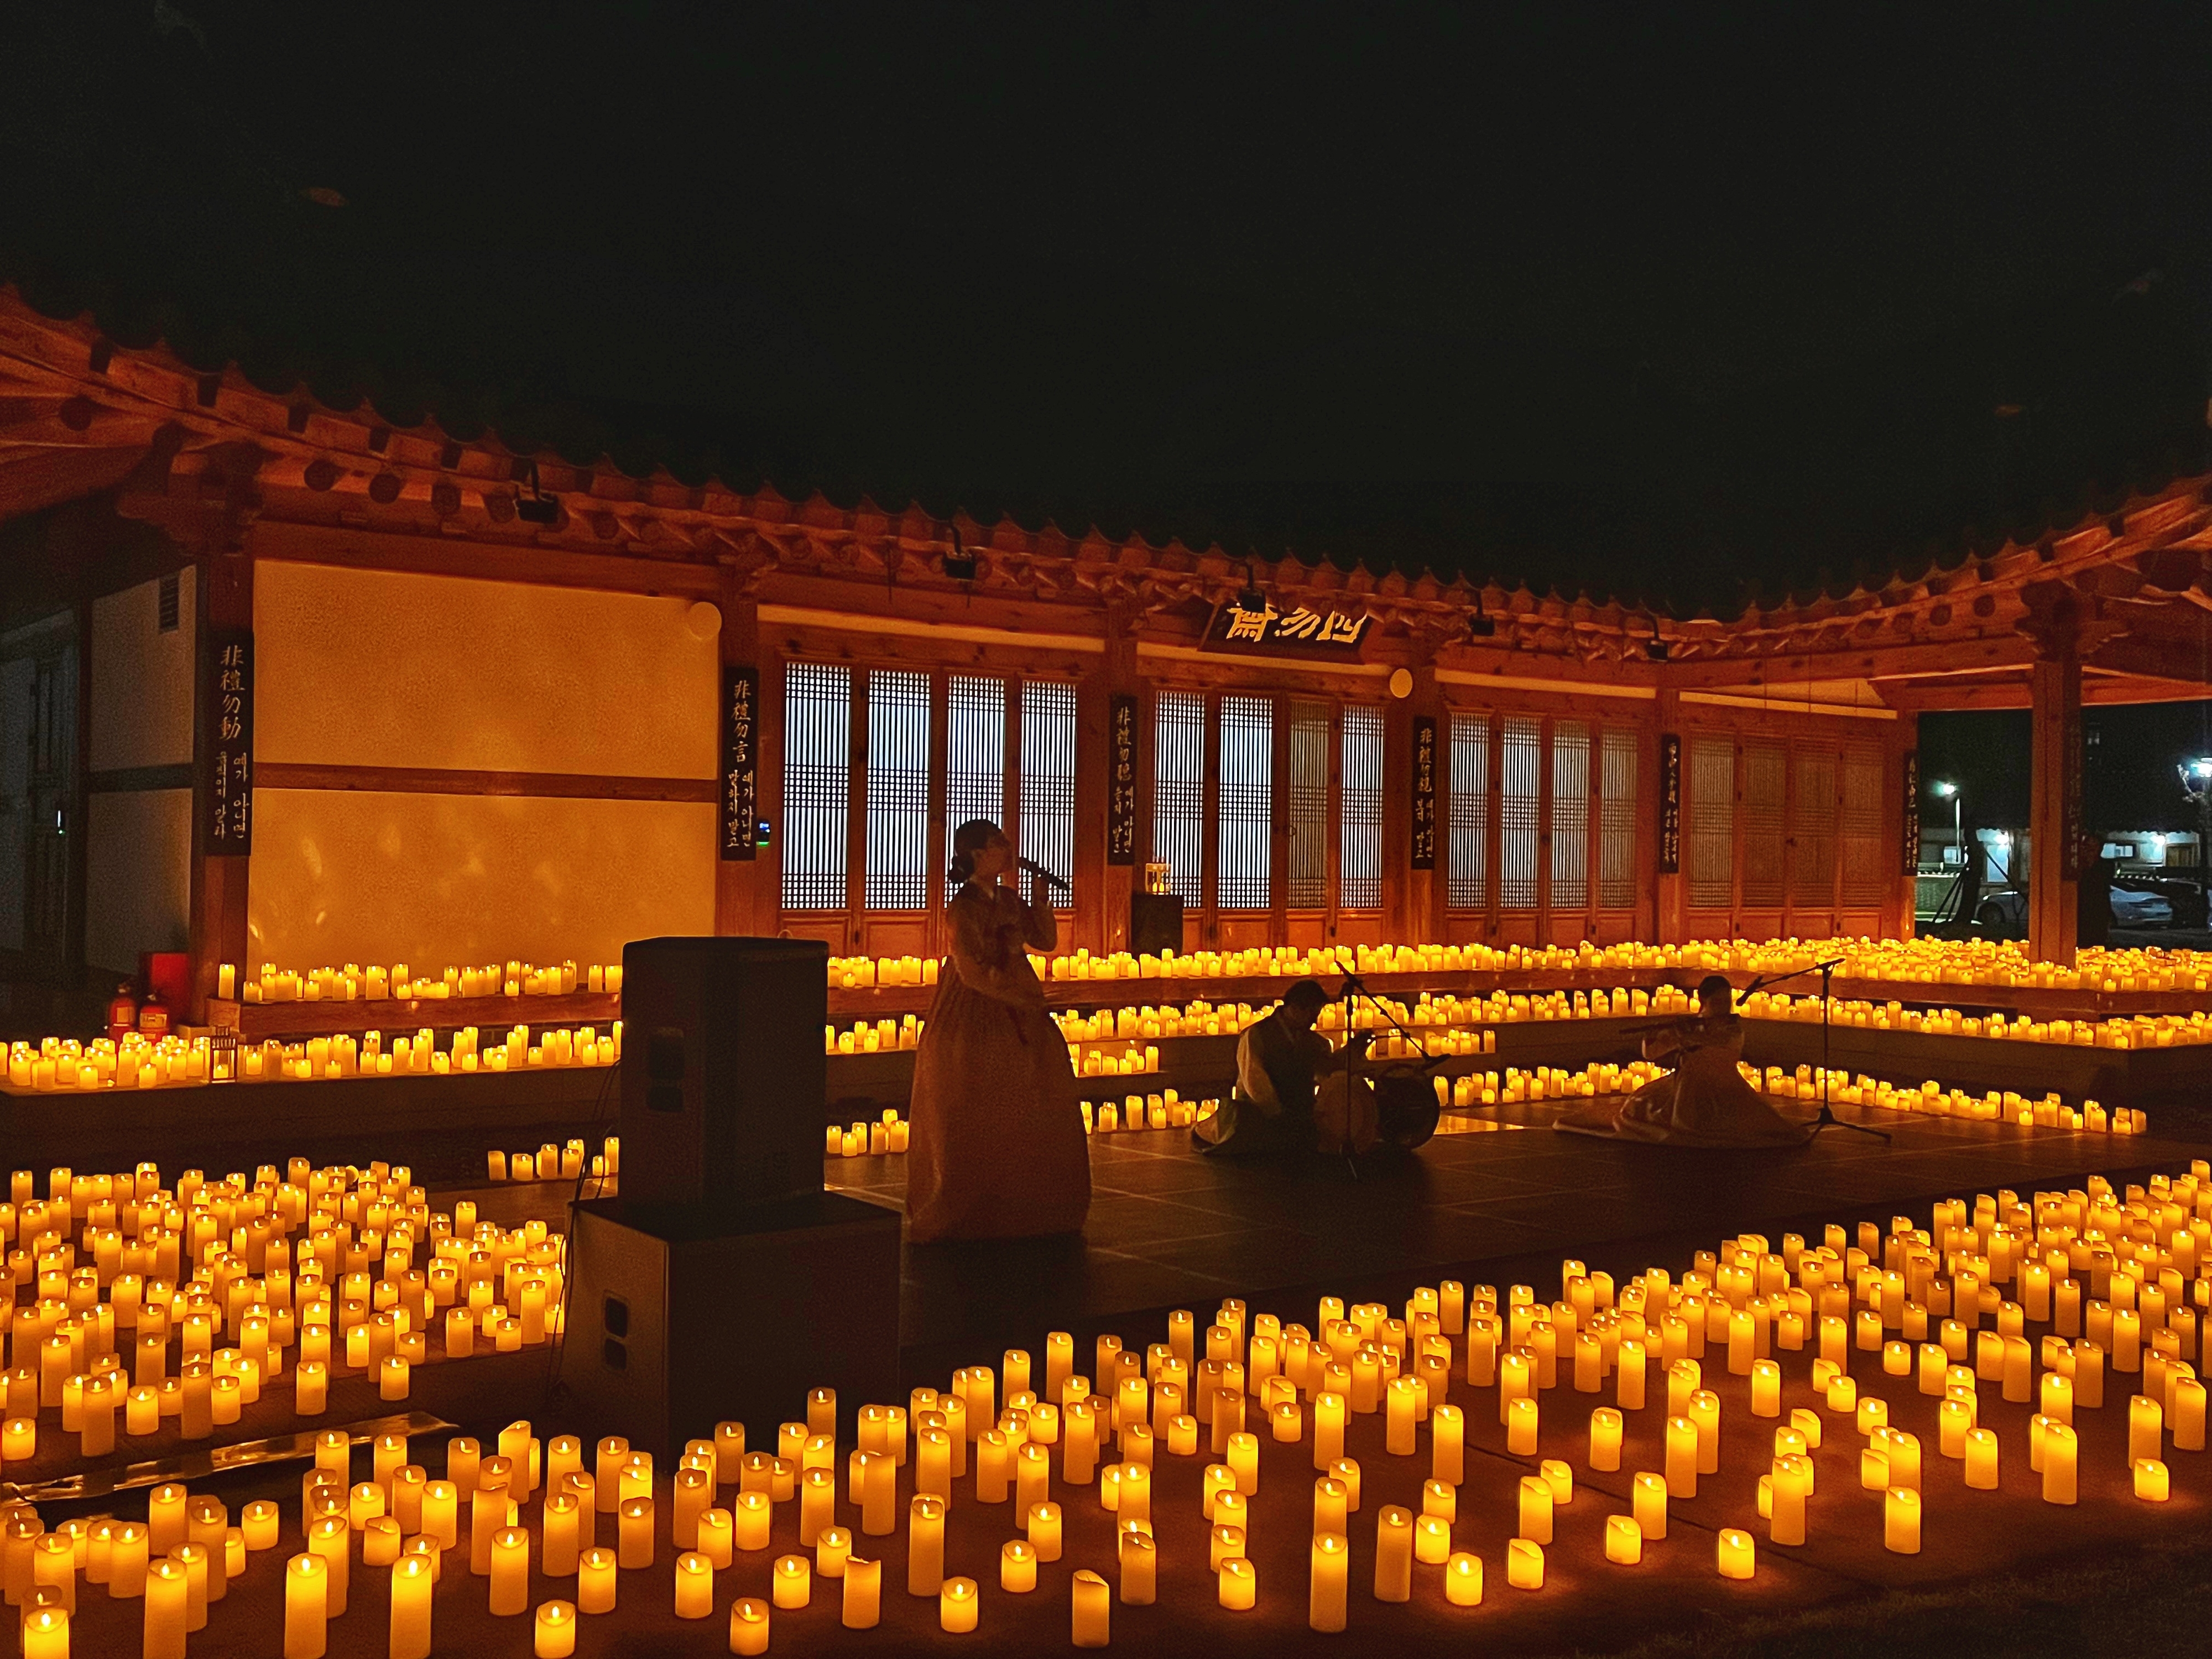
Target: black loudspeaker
point(1155, 926)
point(722, 1075)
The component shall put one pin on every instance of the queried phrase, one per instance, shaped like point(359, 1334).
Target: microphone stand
point(1827, 1118)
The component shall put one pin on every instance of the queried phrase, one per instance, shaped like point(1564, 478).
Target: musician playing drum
point(1280, 1062)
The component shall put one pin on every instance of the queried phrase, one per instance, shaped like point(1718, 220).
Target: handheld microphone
point(1058, 884)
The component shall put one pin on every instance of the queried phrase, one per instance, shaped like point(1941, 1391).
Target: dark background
point(1661, 301)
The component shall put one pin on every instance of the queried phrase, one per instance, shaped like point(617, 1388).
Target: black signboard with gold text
point(224, 791)
point(1424, 792)
point(740, 761)
point(1122, 781)
point(1670, 804)
point(1911, 845)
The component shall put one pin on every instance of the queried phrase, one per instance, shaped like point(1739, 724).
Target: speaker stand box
point(677, 1320)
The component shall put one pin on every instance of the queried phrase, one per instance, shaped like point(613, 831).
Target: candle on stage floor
point(413, 1578)
point(2188, 1414)
point(553, 1635)
point(562, 1535)
point(1140, 1561)
point(1629, 1375)
point(1394, 1553)
point(1900, 1521)
point(166, 1596)
point(633, 1541)
point(1738, 1554)
point(691, 1494)
point(748, 1626)
point(1329, 1415)
point(46, 1635)
point(1981, 1451)
point(1522, 1418)
point(306, 1608)
point(165, 1518)
point(510, 1572)
point(925, 1546)
point(791, 1582)
point(1647, 1502)
point(1605, 1434)
point(127, 1561)
point(1535, 1509)
point(1043, 1524)
point(613, 1453)
point(1681, 1457)
point(1079, 1455)
point(2153, 1484)
point(751, 1516)
point(1239, 1584)
point(718, 1538)
point(2145, 1428)
point(957, 1604)
point(695, 1586)
point(833, 1547)
point(864, 1593)
point(2059, 1450)
point(1463, 1580)
point(1017, 1565)
point(1331, 1577)
point(1400, 1402)
point(1090, 1608)
point(1524, 1563)
point(332, 1539)
point(1447, 1443)
point(595, 1581)
point(1624, 1540)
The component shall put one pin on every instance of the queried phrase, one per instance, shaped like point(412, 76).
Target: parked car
point(2002, 912)
point(2133, 908)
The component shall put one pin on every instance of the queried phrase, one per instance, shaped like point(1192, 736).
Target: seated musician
point(1704, 1100)
point(1280, 1062)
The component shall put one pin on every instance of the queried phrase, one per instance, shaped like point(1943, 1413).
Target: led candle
point(1765, 1388)
point(553, 1634)
point(413, 1578)
point(379, 1541)
point(691, 1493)
point(718, 1538)
point(2059, 1449)
point(1329, 1587)
point(748, 1626)
point(310, 1387)
point(46, 1635)
point(1524, 1563)
point(695, 1586)
point(2146, 1429)
point(332, 1539)
point(306, 1608)
point(634, 1541)
point(127, 1561)
point(1681, 1457)
point(2152, 1482)
point(165, 1518)
point(751, 1516)
point(1520, 1426)
point(1329, 1414)
point(1648, 1503)
point(833, 1547)
point(1089, 1609)
point(595, 1582)
point(1079, 1457)
point(1535, 1509)
point(1043, 1525)
point(441, 1513)
point(613, 1453)
point(1900, 1521)
point(925, 1534)
point(1223, 1542)
point(166, 1593)
point(1737, 1554)
point(1447, 1445)
point(1624, 1540)
point(1982, 1460)
point(956, 1607)
point(791, 1582)
point(1239, 1584)
point(1605, 1435)
point(2188, 1414)
point(510, 1572)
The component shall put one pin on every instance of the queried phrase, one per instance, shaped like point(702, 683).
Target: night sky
point(1649, 300)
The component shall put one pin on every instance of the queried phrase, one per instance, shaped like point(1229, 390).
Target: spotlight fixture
point(1655, 648)
point(960, 563)
point(537, 506)
point(1481, 625)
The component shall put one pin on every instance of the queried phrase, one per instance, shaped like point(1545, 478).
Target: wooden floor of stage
point(1169, 1228)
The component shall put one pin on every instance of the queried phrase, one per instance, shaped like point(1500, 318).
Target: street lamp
point(2196, 789)
point(1952, 793)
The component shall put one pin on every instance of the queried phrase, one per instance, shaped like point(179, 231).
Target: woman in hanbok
point(997, 1147)
point(1704, 1101)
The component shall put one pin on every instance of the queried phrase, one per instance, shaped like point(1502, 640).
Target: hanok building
point(308, 687)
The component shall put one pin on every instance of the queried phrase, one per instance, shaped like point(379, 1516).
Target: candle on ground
point(1017, 1565)
point(412, 1580)
point(510, 1572)
point(1981, 1450)
point(1089, 1608)
point(1605, 1435)
point(595, 1581)
point(749, 1618)
point(1648, 1503)
point(633, 1541)
point(166, 1597)
point(1624, 1539)
point(1394, 1553)
point(1447, 1443)
point(2153, 1484)
point(1331, 1574)
point(1738, 1554)
point(1900, 1521)
point(1681, 1457)
point(1524, 1563)
point(1521, 1417)
point(306, 1608)
point(957, 1605)
point(332, 1539)
point(2059, 1450)
point(695, 1586)
point(925, 1546)
point(1043, 1524)
point(1463, 1580)
point(554, 1636)
point(1239, 1584)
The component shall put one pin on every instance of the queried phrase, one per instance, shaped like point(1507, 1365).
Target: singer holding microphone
point(997, 1149)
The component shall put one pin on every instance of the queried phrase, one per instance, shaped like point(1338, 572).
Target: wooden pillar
point(217, 929)
point(2055, 810)
point(1102, 888)
point(1398, 907)
point(1665, 886)
point(1425, 891)
point(741, 884)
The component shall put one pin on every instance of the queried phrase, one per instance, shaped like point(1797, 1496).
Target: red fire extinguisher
point(122, 1013)
point(154, 1016)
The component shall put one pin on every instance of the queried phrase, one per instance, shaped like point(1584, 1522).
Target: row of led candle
point(552, 1163)
point(57, 1066)
point(1891, 1460)
point(353, 983)
point(310, 1272)
point(2134, 1031)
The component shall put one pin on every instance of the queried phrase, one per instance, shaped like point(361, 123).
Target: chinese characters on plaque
point(1299, 630)
point(1424, 792)
point(226, 764)
point(1670, 804)
point(1911, 845)
point(740, 760)
point(1122, 781)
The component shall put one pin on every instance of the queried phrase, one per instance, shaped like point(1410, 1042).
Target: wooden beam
point(2054, 808)
point(436, 555)
point(1878, 662)
point(456, 780)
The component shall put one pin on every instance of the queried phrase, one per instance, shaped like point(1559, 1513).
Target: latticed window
point(1306, 738)
point(1616, 823)
point(1360, 797)
point(1179, 789)
point(817, 784)
point(1245, 812)
point(1048, 777)
point(1859, 827)
point(1813, 807)
point(1764, 820)
point(1710, 809)
point(1570, 781)
point(1520, 795)
point(897, 869)
point(975, 753)
point(1468, 856)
